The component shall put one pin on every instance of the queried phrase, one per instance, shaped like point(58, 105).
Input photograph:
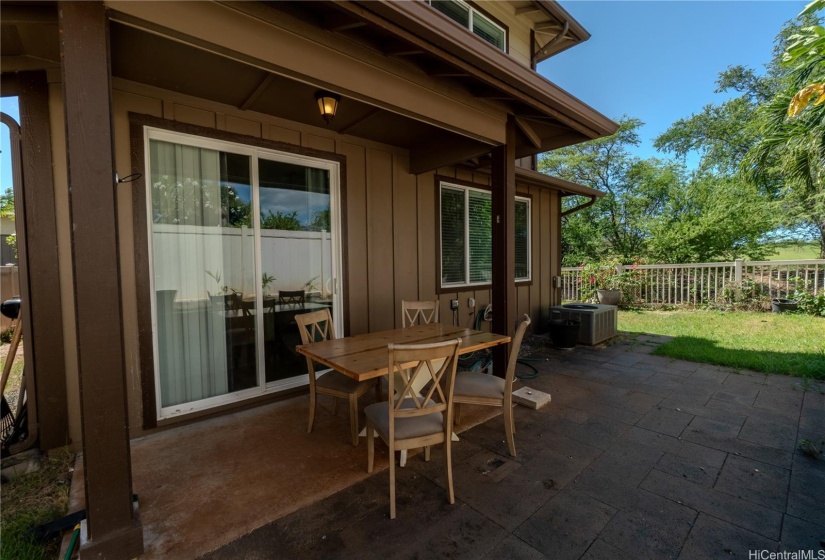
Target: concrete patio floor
point(637, 456)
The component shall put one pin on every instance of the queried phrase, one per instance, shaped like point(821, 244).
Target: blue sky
point(654, 60)
point(8, 105)
point(659, 60)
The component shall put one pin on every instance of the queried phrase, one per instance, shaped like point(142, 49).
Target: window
point(466, 237)
point(469, 17)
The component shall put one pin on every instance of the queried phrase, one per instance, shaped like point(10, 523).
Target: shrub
point(809, 303)
point(746, 295)
point(604, 275)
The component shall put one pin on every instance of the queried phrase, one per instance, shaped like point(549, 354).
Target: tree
point(717, 133)
point(789, 155)
point(7, 211)
point(280, 220)
point(618, 223)
point(320, 221)
point(712, 219)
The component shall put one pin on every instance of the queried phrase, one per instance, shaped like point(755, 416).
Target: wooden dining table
point(364, 356)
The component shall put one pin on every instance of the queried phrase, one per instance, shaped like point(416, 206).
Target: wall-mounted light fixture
point(328, 104)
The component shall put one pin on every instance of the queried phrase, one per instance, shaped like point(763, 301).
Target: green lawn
point(768, 342)
point(30, 500)
point(794, 251)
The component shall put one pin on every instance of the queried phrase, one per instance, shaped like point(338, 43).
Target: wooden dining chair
point(292, 297)
point(413, 420)
point(418, 312)
point(481, 388)
point(316, 327)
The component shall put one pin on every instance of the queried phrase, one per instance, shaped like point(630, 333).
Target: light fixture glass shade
point(327, 104)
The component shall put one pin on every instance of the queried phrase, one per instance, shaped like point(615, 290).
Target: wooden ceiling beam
point(257, 92)
point(531, 9)
point(546, 26)
point(360, 120)
point(21, 15)
point(528, 131)
point(443, 152)
point(339, 23)
point(404, 52)
point(448, 74)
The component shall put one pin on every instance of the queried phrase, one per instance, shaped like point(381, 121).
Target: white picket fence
point(699, 283)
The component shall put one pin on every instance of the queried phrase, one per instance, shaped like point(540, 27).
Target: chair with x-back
point(295, 298)
point(315, 327)
point(412, 419)
point(418, 312)
point(480, 388)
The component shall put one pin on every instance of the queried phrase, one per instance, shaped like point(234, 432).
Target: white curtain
point(191, 272)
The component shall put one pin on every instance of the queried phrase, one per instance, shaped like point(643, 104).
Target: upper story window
point(471, 18)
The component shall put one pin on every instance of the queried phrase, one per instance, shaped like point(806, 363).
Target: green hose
point(72, 543)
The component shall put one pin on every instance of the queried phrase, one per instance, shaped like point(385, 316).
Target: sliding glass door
point(241, 240)
point(296, 256)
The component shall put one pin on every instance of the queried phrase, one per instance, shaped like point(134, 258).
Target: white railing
point(698, 283)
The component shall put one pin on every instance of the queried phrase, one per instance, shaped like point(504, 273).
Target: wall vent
point(599, 322)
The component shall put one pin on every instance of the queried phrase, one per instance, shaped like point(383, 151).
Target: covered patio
point(637, 455)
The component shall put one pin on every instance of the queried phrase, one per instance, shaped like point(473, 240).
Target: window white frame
point(334, 168)
point(529, 203)
point(466, 190)
point(474, 13)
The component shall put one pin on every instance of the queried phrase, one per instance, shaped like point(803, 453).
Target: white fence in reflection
point(190, 259)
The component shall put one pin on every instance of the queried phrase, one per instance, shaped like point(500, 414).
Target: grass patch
point(789, 344)
point(32, 499)
point(795, 251)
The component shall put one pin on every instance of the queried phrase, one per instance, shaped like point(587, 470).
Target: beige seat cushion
point(405, 428)
point(471, 384)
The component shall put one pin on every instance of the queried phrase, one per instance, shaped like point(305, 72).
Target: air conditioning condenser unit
point(598, 322)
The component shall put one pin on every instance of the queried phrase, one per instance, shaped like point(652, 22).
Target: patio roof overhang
point(408, 79)
point(566, 188)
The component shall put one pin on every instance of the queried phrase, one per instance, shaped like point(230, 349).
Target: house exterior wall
point(518, 31)
point(391, 215)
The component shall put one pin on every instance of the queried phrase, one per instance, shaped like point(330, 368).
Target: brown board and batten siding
point(390, 216)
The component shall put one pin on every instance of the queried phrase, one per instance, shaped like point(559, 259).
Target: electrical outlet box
point(471, 302)
point(453, 304)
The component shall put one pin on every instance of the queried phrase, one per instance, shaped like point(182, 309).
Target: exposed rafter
point(360, 120)
point(403, 51)
point(547, 26)
point(543, 50)
point(528, 131)
point(532, 8)
point(340, 23)
point(256, 93)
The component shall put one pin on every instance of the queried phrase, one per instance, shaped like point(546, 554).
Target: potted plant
point(602, 281)
point(226, 297)
point(267, 280)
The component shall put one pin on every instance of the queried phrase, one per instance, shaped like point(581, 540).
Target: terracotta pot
point(609, 297)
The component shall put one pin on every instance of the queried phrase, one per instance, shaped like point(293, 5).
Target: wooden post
point(113, 528)
point(37, 240)
point(504, 242)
